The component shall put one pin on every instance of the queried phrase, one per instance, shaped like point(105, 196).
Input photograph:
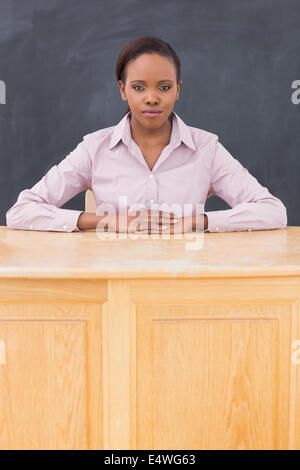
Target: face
point(150, 84)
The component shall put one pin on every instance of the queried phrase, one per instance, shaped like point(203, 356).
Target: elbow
point(17, 214)
point(275, 215)
point(9, 218)
point(10, 222)
point(284, 219)
point(281, 217)
point(13, 218)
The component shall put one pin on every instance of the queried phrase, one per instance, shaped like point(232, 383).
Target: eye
point(134, 87)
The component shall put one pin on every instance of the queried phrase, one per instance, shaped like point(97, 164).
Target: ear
point(178, 89)
point(122, 90)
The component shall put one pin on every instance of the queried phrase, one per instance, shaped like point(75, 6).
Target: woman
point(152, 162)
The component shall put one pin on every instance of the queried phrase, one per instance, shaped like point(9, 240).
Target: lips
point(150, 111)
point(151, 114)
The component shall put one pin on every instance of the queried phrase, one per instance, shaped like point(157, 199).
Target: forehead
point(151, 67)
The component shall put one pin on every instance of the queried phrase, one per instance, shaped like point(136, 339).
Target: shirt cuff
point(221, 221)
point(66, 220)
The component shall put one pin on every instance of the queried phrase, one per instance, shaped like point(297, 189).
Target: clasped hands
point(149, 221)
point(157, 221)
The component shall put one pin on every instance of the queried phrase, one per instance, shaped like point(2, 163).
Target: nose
point(151, 100)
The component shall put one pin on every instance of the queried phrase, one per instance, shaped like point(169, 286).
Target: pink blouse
point(190, 169)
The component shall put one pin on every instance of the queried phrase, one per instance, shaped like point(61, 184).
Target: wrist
point(88, 221)
point(199, 222)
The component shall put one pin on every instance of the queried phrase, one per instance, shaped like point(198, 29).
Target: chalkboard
point(240, 65)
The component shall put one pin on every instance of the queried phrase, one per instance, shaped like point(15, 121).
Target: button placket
point(151, 189)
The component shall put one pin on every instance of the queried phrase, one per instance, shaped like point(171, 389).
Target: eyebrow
point(160, 81)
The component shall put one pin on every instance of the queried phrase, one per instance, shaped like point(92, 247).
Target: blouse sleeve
point(38, 208)
point(253, 206)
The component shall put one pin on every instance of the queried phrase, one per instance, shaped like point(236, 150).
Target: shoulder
point(98, 140)
point(202, 137)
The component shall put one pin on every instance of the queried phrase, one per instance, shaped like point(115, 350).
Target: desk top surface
point(93, 255)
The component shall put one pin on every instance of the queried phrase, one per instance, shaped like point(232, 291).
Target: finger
point(172, 215)
point(158, 213)
point(144, 213)
point(152, 228)
point(159, 223)
point(159, 219)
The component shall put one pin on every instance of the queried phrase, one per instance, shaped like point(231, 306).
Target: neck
point(150, 137)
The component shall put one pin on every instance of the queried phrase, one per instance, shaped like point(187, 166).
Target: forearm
point(114, 222)
point(88, 220)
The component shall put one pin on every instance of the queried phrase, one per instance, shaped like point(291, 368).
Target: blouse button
point(150, 176)
point(30, 227)
point(152, 200)
point(249, 229)
point(65, 227)
point(217, 228)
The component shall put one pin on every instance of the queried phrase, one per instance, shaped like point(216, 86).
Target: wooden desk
point(150, 344)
